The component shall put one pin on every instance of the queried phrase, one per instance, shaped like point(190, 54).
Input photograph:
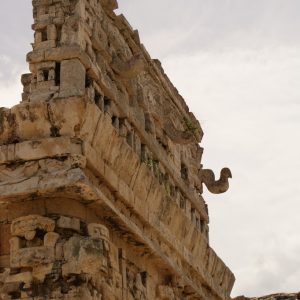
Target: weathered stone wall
point(102, 137)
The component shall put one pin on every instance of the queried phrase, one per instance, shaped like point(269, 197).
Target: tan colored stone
point(23, 225)
point(100, 159)
point(72, 76)
point(98, 231)
point(31, 257)
point(15, 244)
point(66, 207)
point(40, 271)
point(165, 292)
point(30, 235)
point(5, 261)
point(5, 236)
point(83, 255)
point(25, 277)
point(69, 223)
point(29, 207)
point(50, 239)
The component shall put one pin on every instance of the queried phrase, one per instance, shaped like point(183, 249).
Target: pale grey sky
point(237, 63)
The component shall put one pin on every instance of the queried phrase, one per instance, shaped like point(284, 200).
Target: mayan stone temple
point(100, 170)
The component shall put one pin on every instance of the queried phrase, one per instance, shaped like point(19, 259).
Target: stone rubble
point(280, 296)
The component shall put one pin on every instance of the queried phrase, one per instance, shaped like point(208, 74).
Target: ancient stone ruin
point(100, 170)
point(281, 296)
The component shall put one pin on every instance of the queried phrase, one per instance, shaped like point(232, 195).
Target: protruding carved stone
point(109, 4)
point(207, 177)
point(84, 256)
point(98, 231)
point(24, 225)
point(69, 223)
point(186, 137)
point(128, 69)
point(165, 292)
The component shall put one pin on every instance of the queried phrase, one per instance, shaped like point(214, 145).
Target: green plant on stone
point(151, 163)
point(191, 126)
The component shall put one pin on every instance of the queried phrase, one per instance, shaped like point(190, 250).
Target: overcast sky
point(237, 63)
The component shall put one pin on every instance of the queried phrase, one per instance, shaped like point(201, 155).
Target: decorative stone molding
point(52, 258)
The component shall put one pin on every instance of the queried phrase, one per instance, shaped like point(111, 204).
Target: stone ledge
point(73, 182)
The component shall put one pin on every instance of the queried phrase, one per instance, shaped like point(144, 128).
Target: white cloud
point(10, 81)
point(248, 103)
point(10, 94)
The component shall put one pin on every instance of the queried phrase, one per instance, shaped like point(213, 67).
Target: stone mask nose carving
point(220, 186)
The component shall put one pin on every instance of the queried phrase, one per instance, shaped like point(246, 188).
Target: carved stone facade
point(60, 257)
point(100, 170)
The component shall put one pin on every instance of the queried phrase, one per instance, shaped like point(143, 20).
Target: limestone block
point(4, 261)
point(66, 207)
point(103, 134)
point(68, 115)
point(98, 231)
point(25, 277)
point(142, 182)
point(51, 32)
point(141, 207)
point(15, 210)
point(219, 271)
point(94, 161)
point(5, 236)
point(22, 225)
point(155, 198)
point(127, 164)
point(59, 251)
point(30, 235)
point(46, 86)
point(114, 148)
point(15, 244)
point(178, 221)
point(212, 257)
point(42, 95)
point(69, 223)
point(31, 120)
point(114, 257)
point(8, 174)
point(33, 150)
point(40, 271)
point(90, 122)
point(200, 254)
point(111, 177)
point(130, 68)
point(50, 239)
point(165, 292)
point(167, 210)
point(44, 45)
point(84, 255)
point(7, 124)
point(72, 78)
point(26, 79)
point(126, 193)
point(80, 8)
point(32, 257)
point(73, 31)
point(109, 4)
